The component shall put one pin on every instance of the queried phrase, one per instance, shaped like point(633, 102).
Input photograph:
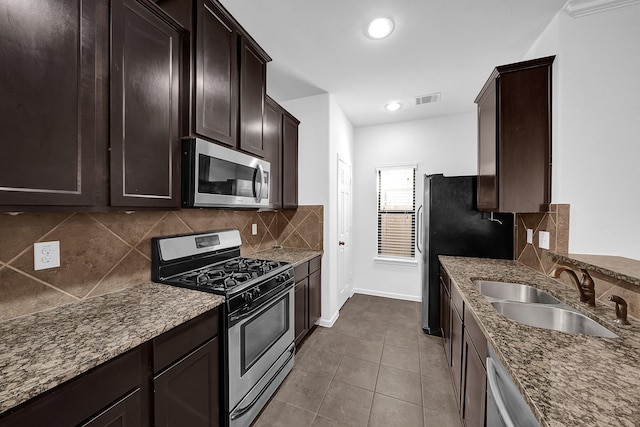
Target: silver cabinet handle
point(492, 375)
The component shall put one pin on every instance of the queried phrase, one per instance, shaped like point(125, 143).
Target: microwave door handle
point(259, 193)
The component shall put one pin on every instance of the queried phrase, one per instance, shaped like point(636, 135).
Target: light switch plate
point(46, 255)
point(254, 229)
point(529, 235)
point(543, 240)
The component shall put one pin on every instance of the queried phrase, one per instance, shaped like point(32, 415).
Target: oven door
point(221, 177)
point(257, 342)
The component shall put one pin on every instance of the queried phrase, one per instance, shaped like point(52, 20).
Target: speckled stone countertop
point(621, 268)
point(567, 379)
point(293, 255)
point(43, 350)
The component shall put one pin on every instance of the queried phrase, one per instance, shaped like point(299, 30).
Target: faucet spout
point(585, 286)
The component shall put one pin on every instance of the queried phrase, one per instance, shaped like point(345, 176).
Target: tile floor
point(374, 367)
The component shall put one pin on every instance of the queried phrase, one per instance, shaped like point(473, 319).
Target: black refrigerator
point(451, 225)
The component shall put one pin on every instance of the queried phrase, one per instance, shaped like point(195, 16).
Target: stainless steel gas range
point(258, 317)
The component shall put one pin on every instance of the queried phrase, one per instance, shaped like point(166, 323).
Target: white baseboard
point(328, 323)
point(387, 294)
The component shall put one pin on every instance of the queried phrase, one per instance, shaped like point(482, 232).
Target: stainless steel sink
point(552, 317)
point(514, 292)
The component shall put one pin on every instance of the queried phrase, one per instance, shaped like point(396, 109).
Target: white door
point(344, 232)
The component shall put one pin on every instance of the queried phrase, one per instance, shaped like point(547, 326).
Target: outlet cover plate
point(254, 229)
point(543, 240)
point(46, 255)
point(529, 235)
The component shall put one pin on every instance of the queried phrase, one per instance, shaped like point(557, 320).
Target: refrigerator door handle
point(419, 229)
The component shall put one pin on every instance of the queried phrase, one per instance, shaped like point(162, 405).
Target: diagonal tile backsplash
point(106, 252)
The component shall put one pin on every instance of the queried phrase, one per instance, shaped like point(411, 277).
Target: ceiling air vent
point(428, 99)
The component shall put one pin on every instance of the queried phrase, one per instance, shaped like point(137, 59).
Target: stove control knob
point(248, 297)
point(255, 293)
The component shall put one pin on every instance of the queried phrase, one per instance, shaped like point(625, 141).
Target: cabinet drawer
point(174, 344)
point(457, 302)
point(301, 271)
point(475, 335)
point(315, 264)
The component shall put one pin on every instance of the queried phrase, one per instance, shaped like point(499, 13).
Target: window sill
point(411, 262)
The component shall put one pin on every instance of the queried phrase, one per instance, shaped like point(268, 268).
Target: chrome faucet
point(586, 286)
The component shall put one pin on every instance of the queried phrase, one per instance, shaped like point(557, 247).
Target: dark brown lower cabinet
point(475, 386)
point(187, 393)
point(466, 354)
point(301, 316)
point(308, 306)
point(176, 374)
point(125, 412)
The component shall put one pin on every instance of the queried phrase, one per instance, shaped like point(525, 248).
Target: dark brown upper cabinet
point(290, 162)
point(272, 134)
point(253, 78)
point(230, 81)
point(514, 138)
point(48, 102)
point(146, 63)
point(216, 74)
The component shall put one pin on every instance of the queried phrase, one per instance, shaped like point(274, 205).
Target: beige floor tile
point(387, 411)
point(322, 362)
point(438, 395)
point(400, 384)
point(321, 421)
point(303, 389)
point(402, 337)
point(365, 350)
point(357, 372)
point(347, 404)
point(440, 418)
point(433, 363)
point(332, 341)
point(281, 414)
point(401, 358)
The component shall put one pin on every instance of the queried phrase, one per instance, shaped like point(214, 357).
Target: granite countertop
point(621, 268)
point(567, 379)
point(43, 350)
point(293, 255)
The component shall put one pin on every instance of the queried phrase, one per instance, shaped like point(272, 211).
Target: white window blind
point(396, 211)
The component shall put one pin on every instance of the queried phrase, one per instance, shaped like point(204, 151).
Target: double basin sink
point(534, 307)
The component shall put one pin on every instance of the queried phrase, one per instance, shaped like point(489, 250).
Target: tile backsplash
point(105, 252)
point(556, 222)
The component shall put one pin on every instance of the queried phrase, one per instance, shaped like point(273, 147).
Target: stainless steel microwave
point(216, 176)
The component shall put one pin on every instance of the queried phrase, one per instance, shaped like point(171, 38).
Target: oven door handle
point(250, 311)
point(241, 411)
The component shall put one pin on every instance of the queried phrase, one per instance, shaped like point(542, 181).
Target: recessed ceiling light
point(393, 106)
point(380, 28)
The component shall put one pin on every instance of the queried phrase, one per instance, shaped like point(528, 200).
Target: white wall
point(441, 145)
point(596, 120)
point(324, 133)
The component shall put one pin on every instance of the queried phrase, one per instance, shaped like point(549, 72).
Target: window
point(396, 211)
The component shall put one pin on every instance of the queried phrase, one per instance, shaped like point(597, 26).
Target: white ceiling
point(448, 46)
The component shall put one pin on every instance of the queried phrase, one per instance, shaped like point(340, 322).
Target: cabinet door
point(487, 150)
point(456, 351)
point(289, 162)
point(145, 113)
point(48, 102)
point(216, 75)
point(475, 386)
point(253, 77)
point(301, 309)
point(445, 320)
point(187, 394)
point(272, 133)
point(314, 298)
point(124, 413)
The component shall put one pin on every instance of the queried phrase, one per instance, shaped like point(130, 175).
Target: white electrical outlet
point(46, 255)
point(543, 240)
point(254, 229)
point(529, 235)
